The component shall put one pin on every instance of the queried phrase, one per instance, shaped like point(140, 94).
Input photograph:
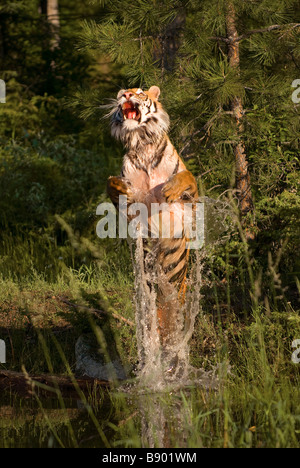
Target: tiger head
point(137, 117)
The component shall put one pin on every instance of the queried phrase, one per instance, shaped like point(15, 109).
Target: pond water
point(107, 419)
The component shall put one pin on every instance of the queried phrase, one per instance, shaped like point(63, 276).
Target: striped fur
point(153, 172)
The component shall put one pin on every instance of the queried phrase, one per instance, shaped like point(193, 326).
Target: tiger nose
point(128, 94)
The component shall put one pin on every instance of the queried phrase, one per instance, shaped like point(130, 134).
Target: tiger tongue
point(131, 114)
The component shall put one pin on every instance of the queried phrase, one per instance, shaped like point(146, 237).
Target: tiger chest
point(147, 186)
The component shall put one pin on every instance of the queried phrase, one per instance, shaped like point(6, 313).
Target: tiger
point(153, 172)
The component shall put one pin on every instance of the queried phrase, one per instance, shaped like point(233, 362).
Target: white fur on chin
point(130, 124)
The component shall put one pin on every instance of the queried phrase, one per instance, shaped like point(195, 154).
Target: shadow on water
point(26, 422)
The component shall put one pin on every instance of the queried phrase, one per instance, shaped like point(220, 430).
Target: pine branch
point(274, 27)
point(206, 128)
point(219, 39)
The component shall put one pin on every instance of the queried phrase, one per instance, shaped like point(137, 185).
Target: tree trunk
point(243, 184)
point(169, 42)
point(50, 9)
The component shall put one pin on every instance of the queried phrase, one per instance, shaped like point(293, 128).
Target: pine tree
point(225, 70)
point(243, 184)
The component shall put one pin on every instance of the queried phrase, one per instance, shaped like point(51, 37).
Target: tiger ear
point(155, 91)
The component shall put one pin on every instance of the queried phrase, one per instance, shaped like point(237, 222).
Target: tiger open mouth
point(130, 111)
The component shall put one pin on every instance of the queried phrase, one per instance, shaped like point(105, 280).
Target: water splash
point(161, 366)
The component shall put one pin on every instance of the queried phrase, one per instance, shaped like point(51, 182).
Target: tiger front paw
point(180, 186)
point(116, 186)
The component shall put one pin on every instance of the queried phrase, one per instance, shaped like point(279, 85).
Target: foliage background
point(56, 151)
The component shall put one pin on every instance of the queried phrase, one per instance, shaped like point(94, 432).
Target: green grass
point(245, 330)
point(32, 301)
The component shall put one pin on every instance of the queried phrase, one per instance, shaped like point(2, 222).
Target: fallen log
point(27, 385)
